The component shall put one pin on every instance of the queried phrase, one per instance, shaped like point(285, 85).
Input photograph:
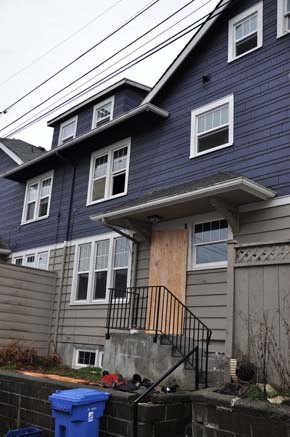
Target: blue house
point(142, 190)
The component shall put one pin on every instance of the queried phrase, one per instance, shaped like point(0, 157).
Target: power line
point(60, 43)
point(140, 12)
point(117, 62)
point(109, 58)
point(132, 63)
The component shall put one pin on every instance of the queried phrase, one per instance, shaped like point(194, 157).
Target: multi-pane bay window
point(209, 244)
point(99, 265)
point(67, 131)
point(103, 112)
point(37, 198)
point(212, 126)
point(245, 32)
point(109, 173)
point(283, 17)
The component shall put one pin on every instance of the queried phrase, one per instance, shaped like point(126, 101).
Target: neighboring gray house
point(144, 192)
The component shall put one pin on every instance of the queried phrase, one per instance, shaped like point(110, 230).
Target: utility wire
point(109, 58)
point(119, 60)
point(132, 63)
point(140, 12)
point(60, 43)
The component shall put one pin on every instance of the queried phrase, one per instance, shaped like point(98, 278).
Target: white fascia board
point(243, 183)
point(149, 107)
point(98, 96)
point(185, 52)
point(5, 252)
point(11, 154)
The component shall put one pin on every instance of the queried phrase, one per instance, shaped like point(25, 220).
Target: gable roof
point(211, 19)
point(19, 150)
point(100, 94)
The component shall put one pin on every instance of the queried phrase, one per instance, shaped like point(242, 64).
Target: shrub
point(17, 356)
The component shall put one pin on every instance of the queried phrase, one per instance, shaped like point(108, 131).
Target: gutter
point(5, 252)
point(148, 107)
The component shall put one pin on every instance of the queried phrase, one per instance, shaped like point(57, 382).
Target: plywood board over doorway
point(168, 261)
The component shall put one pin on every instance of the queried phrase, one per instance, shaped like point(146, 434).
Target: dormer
point(97, 111)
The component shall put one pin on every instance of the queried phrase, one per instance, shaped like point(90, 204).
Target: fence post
point(230, 302)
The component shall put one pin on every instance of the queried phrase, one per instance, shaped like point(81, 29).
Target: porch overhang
point(223, 192)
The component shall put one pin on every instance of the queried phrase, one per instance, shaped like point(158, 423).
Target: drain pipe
point(65, 245)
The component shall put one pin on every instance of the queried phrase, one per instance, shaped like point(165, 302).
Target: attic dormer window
point(246, 32)
point(67, 130)
point(103, 112)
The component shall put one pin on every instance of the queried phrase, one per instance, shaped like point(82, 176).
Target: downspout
point(62, 269)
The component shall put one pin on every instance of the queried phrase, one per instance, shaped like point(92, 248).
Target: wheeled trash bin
point(77, 411)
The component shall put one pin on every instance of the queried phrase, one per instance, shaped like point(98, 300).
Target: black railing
point(155, 310)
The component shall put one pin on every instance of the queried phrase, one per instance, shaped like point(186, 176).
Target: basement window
point(87, 358)
point(68, 130)
point(109, 173)
point(283, 17)
point(245, 32)
point(209, 244)
point(212, 126)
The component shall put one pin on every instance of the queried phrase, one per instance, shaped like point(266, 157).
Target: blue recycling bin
point(77, 411)
point(25, 432)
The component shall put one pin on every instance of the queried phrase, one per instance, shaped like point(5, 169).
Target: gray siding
point(26, 306)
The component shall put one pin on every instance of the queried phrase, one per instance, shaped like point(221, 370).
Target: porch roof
point(224, 190)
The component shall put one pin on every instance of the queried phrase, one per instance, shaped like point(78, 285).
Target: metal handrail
point(156, 310)
point(149, 390)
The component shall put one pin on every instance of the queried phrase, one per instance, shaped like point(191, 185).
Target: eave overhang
point(228, 194)
point(49, 158)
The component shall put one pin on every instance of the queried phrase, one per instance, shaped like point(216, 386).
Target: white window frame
point(258, 8)
point(98, 358)
point(38, 180)
point(93, 240)
point(63, 125)
point(281, 18)
point(199, 219)
point(109, 151)
point(100, 105)
point(36, 254)
point(194, 125)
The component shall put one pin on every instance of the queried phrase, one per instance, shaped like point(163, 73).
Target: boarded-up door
point(168, 259)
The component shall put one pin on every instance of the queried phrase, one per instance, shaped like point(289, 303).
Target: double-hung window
point(99, 265)
point(209, 244)
point(68, 130)
point(109, 173)
point(103, 112)
point(37, 198)
point(212, 126)
point(283, 17)
point(245, 32)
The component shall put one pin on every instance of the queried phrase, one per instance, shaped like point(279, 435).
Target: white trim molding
point(108, 177)
point(256, 12)
point(11, 154)
point(283, 15)
point(222, 106)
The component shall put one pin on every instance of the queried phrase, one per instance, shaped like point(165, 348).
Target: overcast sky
point(31, 28)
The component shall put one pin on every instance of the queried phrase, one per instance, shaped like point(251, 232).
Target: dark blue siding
point(160, 152)
point(126, 98)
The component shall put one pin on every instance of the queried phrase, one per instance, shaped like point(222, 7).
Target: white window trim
point(108, 151)
point(98, 358)
point(98, 106)
point(258, 8)
point(38, 180)
point(192, 266)
point(32, 252)
point(206, 108)
point(93, 240)
point(63, 125)
point(281, 11)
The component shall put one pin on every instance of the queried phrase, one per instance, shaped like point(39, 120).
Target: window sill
point(282, 34)
point(232, 59)
point(224, 146)
point(93, 302)
point(208, 267)
point(108, 198)
point(34, 220)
